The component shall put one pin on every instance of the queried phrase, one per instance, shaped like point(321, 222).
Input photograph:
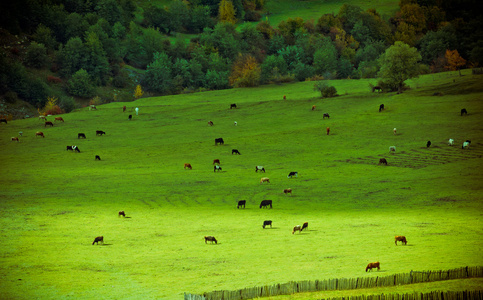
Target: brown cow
point(49, 123)
point(211, 239)
point(59, 119)
point(188, 166)
point(210, 123)
point(40, 133)
point(264, 179)
point(14, 139)
point(370, 266)
point(98, 239)
point(124, 108)
point(383, 161)
point(297, 228)
point(121, 213)
point(92, 107)
point(288, 191)
point(328, 130)
point(216, 161)
point(313, 107)
point(284, 97)
point(400, 238)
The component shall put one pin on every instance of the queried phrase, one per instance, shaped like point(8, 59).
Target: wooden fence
point(293, 287)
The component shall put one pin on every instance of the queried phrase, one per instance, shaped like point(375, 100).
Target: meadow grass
point(54, 202)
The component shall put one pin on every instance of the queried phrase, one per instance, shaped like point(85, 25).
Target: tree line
point(87, 45)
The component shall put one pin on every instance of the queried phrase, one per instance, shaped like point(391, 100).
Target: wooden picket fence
point(293, 287)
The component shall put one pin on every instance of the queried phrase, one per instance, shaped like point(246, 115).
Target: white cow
point(450, 142)
point(137, 110)
point(466, 145)
point(392, 148)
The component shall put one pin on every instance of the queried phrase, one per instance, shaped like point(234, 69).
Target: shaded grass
point(54, 202)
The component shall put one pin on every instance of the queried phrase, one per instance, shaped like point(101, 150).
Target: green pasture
point(54, 202)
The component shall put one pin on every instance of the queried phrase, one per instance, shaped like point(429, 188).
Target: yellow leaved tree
point(226, 12)
point(138, 92)
point(246, 72)
point(51, 107)
point(454, 60)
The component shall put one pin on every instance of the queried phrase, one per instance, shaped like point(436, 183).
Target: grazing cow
point(235, 151)
point(232, 105)
point(284, 97)
point(381, 107)
point(266, 223)
point(211, 239)
point(92, 107)
point(392, 149)
point(241, 203)
point(216, 168)
point(466, 145)
point(328, 130)
point(428, 144)
point(137, 110)
point(97, 157)
point(464, 112)
point(20, 133)
point(370, 266)
point(98, 239)
point(377, 88)
point(39, 133)
point(400, 238)
point(297, 228)
point(216, 161)
point(219, 141)
point(81, 135)
point(383, 161)
point(450, 142)
point(235, 124)
point(58, 119)
point(124, 108)
point(259, 168)
point(287, 191)
point(129, 118)
point(325, 115)
point(395, 131)
point(100, 132)
point(15, 139)
point(73, 148)
point(42, 117)
point(188, 166)
point(291, 174)
point(49, 123)
point(121, 213)
point(3, 120)
point(313, 107)
point(266, 203)
point(304, 226)
point(264, 179)
point(210, 123)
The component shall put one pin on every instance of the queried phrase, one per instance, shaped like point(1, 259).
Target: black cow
point(122, 213)
point(211, 239)
point(49, 123)
point(428, 144)
point(98, 157)
point(241, 203)
point(100, 132)
point(73, 148)
point(464, 112)
point(266, 223)
point(383, 161)
point(98, 239)
point(381, 107)
point(234, 151)
point(233, 106)
point(216, 168)
point(304, 226)
point(219, 141)
point(291, 174)
point(326, 115)
point(266, 203)
point(129, 118)
point(3, 121)
point(81, 135)
point(377, 88)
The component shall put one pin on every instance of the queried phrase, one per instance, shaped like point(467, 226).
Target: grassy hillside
point(54, 202)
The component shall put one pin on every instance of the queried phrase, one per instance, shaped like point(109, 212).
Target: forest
point(57, 52)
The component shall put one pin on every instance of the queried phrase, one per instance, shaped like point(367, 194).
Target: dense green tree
point(152, 42)
point(158, 77)
point(43, 35)
point(97, 64)
point(223, 38)
point(72, 57)
point(325, 90)
point(349, 15)
point(292, 55)
point(370, 52)
point(55, 17)
point(159, 18)
point(75, 26)
point(325, 59)
point(36, 56)
point(326, 22)
point(109, 10)
point(80, 85)
point(216, 80)
point(302, 71)
point(399, 63)
point(276, 43)
point(434, 44)
point(180, 15)
point(199, 19)
point(181, 69)
point(344, 68)
point(118, 31)
point(273, 65)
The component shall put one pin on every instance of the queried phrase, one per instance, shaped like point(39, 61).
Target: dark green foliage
point(72, 57)
point(434, 44)
point(273, 67)
point(67, 104)
point(11, 97)
point(158, 77)
point(36, 56)
point(216, 80)
point(199, 19)
point(43, 35)
point(80, 85)
point(325, 90)
point(224, 38)
point(325, 58)
point(302, 71)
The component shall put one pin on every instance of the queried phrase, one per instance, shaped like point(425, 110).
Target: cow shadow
point(106, 245)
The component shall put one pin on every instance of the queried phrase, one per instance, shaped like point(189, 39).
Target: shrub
point(11, 97)
point(80, 84)
point(325, 90)
point(67, 104)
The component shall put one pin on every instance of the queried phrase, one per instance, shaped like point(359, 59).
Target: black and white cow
point(291, 174)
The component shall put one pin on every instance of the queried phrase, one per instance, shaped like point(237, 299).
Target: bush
point(11, 97)
point(80, 84)
point(67, 104)
point(325, 90)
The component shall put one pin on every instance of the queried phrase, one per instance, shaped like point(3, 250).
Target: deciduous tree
point(246, 72)
point(454, 60)
point(226, 12)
